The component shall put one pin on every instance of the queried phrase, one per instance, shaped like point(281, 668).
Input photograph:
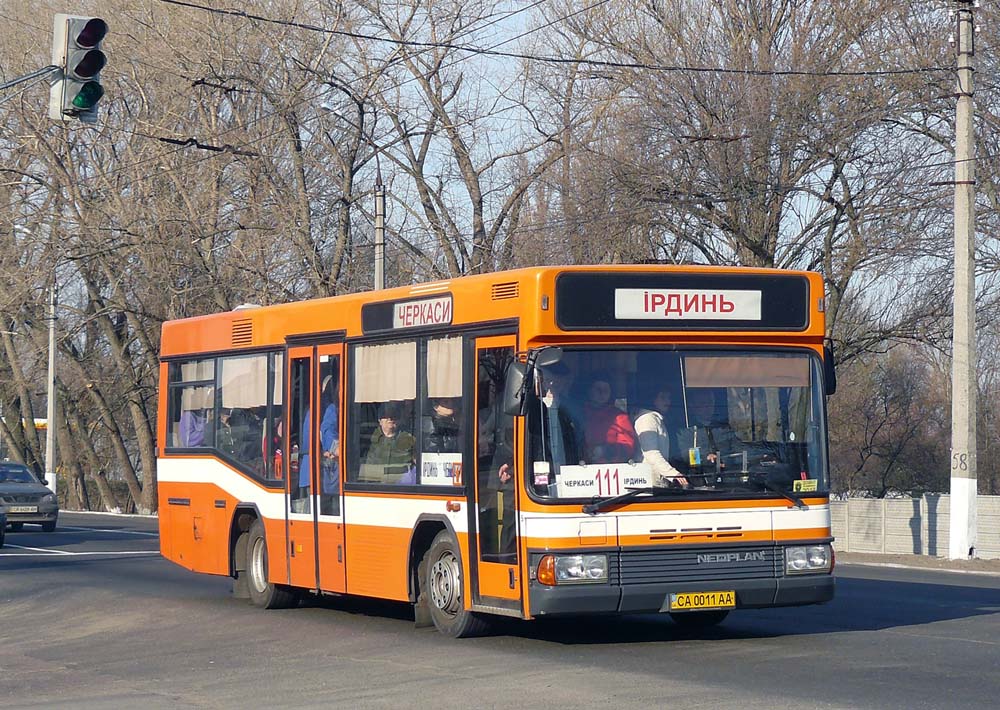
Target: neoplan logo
point(726, 557)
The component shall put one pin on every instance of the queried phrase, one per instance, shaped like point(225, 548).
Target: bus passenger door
point(326, 469)
point(300, 507)
point(494, 546)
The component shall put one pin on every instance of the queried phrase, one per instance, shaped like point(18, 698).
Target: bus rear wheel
point(443, 586)
point(699, 619)
point(263, 593)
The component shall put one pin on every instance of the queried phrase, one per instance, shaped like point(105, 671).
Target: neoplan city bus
point(546, 441)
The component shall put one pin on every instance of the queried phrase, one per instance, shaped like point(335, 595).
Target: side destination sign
point(430, 311)
point(677, 300)
point(686, 303)
point(400, 315)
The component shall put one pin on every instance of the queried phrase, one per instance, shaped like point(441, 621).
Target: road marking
point(104, 530)
point(40, 549)
point(43, 552)
point(919, 568)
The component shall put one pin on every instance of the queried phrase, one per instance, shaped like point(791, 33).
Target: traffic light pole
point(52, 68)
point(50, 407)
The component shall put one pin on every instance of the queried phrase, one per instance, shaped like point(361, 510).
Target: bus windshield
point(678, 422)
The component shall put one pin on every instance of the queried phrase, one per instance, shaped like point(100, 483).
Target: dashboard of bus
point(602, 422)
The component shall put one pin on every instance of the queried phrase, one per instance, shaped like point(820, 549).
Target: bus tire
point(263, 593)
point(699, 619)
point(421, 609)
point(443, 585)
point(241, 585)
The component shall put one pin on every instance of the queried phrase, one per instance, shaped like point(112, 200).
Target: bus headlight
point(572, 569)
point(808, 559)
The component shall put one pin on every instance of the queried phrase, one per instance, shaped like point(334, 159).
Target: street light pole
point(50, 409)
point(379, 199)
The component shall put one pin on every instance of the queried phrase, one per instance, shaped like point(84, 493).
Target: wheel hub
point(445, 584)
point(258, 573)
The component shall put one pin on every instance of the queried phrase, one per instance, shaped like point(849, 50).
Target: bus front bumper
point(654, 598)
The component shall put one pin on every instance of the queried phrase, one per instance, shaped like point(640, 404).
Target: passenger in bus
point(224, 440)
point(708, 440)
point(608, 433)
point(654, 440)
point(237, 435)
point(272, 450)
point(192, 427)
point(500, 491)
point(328, 439)
point(392, 449)
point(441, 436)
point(558, 434)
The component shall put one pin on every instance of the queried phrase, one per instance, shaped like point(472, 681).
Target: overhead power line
point(597, 63)
point(233, 149)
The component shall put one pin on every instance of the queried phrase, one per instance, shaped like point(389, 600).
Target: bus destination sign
point(686, 304)
point(400, 315)
point(682, 301)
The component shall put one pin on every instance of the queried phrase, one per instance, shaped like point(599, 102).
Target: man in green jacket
point(392, 449)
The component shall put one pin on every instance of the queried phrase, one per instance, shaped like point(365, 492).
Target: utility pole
point(962, 531)
point(379, 228)
point(50, 409)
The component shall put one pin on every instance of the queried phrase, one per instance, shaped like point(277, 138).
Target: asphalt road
point(92, 617)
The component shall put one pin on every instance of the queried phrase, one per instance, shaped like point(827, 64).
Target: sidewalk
point(920, 561)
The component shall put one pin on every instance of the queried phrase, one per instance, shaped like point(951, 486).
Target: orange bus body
point(268, 510)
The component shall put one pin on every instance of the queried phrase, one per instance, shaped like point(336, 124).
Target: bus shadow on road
point(359, 606)
point(860, 605)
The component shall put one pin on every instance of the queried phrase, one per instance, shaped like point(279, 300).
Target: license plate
point(23, 509)
point(690, 601)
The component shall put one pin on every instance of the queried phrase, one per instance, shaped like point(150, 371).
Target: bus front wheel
point(444, 588)
point(262, 592)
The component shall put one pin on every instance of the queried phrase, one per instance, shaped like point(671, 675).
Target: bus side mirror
point(548, 356)
point(829, 370)
point(514, 392)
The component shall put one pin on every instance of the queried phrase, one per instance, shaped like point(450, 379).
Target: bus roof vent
point(505, 290)
point(243, 332)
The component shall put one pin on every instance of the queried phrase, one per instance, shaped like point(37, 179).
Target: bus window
point(441, 421)
point(699, 421)
point(298, 435)
point(192, 400)
point(385, 392)
point(240, 425)
point(329, 435)
point(495, 449)
point(273, 446)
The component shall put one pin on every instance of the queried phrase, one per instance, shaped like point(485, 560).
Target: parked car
point(3, 522)
point(26, 498)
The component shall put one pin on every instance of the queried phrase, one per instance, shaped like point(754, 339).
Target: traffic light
point(76, 50)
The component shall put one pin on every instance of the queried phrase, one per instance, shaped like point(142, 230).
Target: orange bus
point(545, 441)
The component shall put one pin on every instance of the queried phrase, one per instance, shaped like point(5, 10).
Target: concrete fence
point(915, 526)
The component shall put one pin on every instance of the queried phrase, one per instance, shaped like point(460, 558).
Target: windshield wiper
point(599, 505)
point(799, 503)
